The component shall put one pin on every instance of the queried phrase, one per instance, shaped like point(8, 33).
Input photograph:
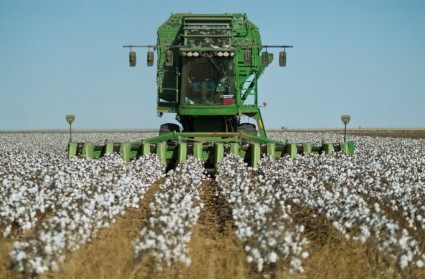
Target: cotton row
point(352, 192)
point(262, 218)
point(89, 194)
point(173, 213)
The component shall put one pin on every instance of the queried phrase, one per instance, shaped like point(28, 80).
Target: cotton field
point(281, 219)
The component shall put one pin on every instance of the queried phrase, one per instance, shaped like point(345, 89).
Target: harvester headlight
point(183, 53)
point(225, 54)
point(232, 54)
point(132, 58)
point(150, 58)
point(189, 54)
point(196, 54)
point(220, 53)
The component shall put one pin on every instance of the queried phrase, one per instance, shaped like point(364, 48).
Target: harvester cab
point(208, 71)
point(208, 68)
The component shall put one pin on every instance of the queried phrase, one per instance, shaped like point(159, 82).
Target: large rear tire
point(168, 128)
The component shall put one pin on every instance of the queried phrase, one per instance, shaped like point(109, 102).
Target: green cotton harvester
point(208, 69)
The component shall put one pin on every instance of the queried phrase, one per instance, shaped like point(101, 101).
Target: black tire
point(247, 128)
point(168, 128)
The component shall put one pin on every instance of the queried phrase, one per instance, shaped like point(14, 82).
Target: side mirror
point(282, 59)
point(150, 59)
point(265, 58)
point(132, 58)
point(247, 58)
point(169, 58)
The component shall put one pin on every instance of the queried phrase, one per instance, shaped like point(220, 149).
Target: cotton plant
point(173, 213)
point(262, 218)
point(66, 201)
point(89, 195)
point(352, 192)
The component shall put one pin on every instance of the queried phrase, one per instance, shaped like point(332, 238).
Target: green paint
point(125, 149)
point(182, 152)
point(208, 67)
point(255, 155)
point(88, 150)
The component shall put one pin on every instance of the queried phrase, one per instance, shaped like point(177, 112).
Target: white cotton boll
point(420, 264)
point(48, 249)
point(273, 257)
point(376, 207)
point(247, 232)
point(295, 263)
point(260, 265)
point(403, 262)
point(7, 231)
point(247, 248)
point(300, 229)
point(348, 224)
point(187, 261)
point(403, 243)
point(413, 243)
point(47, 179)
point(54, 266)
point(21, 255)
point(288, 238)
point(255, 253)
point(272, 242)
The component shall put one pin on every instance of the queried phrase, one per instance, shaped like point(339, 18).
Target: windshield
point(208, 81)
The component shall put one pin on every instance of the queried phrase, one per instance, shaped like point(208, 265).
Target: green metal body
point(208, 69)
point(212, 78)
point(173, 148)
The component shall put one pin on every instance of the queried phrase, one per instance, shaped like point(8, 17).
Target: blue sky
point(363, 58)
